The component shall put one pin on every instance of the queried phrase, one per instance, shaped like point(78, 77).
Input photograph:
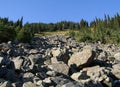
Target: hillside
point(60, 61)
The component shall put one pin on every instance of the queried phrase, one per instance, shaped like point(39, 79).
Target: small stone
point(39, 83)
point(47, 80)
point(29, 84)
point(51, 73)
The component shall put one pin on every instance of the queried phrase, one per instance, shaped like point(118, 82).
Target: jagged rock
point(56, 52)
point(59, 81)
point(28, 77)
point(18, 62)
point(95, 73)
point(103, 56)
point(59, 67)
point(36, 79)
point(4, 83)
point(4, 47)
point(16, 51)
point(51, 73)
point(54, 60)
point(47, 82)
point(34, 51)
point(39, 83)
point(116, 70)
point(82, 59)
point(34, 59)
point(42, 75)
point(29, 84)
point(80, 76)
point(117, 57)
point(61, 55)
point(91, 83)
point(99, 74)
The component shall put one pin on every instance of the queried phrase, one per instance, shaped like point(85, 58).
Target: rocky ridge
point(60, 61)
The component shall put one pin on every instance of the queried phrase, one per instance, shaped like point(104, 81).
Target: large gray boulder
point(95, 73)
point(59, 67)
point(82, 59)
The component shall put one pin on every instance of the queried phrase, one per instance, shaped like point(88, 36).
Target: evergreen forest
point(106, 30)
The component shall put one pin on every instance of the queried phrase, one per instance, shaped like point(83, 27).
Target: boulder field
point(60, 61)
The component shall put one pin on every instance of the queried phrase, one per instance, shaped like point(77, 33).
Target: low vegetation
point(10, 31)
point(105, 30)
point(91, 35)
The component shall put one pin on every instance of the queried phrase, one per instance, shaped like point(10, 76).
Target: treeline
point(107, 22)
point(10, 31)
point(106, 30)
point(63, 25)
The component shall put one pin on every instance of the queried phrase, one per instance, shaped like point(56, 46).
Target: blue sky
point(57, 10)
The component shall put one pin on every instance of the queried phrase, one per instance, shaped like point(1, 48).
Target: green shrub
point(7, 34)
point(104, 35)
point(72, 33)
point(24, 35)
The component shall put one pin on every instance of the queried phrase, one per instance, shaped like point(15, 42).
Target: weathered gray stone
point(117, 57)
point(61, 55)
point(54, 60)
point(59, 67)
point(51, 73)
point(56, 53)
point(60, 80)
point(29, 84)
point(91, 83)
point(116, 70)
point(28, 76)
point(4, 83)
point(34, 51)
point(97, 73)
point(39, 83)
point(103, 56)
point(34, 59)
point(80, 76)
point(47, 80)
point(82, 59)
point(18, 62)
